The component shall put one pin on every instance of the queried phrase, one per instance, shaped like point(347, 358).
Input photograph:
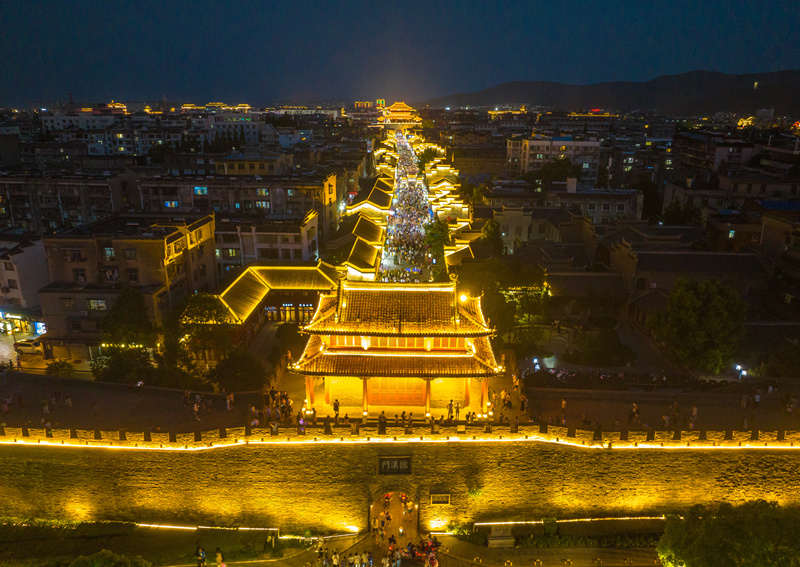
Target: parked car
point(28, 346)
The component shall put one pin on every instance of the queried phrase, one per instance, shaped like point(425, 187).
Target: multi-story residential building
point(166, 258)
point(600, 205)
point(268, 163)
point(242, 240)
point(23, 271)
point(39, 204)
point(733, 191)
point(528, 155)
point(289, 197)
point(252, 130)
point(478, 159)
point(81, 121)
point(706, 155)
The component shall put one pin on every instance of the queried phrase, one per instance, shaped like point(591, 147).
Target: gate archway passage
point(394, 514)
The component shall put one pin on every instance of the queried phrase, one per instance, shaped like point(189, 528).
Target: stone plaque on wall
point(440, 499)
point(394, 465)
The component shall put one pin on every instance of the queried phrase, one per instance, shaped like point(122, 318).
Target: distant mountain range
point(697, 92)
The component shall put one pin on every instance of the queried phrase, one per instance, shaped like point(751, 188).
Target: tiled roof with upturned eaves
point(383, 309)
point(248, 290)
point(318, 361)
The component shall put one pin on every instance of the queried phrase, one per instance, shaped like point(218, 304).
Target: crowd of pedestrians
point(405, 252)
point(55, 403)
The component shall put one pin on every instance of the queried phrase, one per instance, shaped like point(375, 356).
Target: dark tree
point(206, 323)
point(492, 236)
point(106, 558)
point(437, 236)
point(702, 324)
point(118, 364)
point(239, 371)
point(127, 321)
point(754, 534)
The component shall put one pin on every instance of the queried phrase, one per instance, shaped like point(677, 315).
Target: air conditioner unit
point(653, 285)
point(68, 258)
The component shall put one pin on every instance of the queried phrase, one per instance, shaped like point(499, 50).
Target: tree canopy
point(206, 323)
point(754, 534)
point(702, 324)
point(123, 364)
point(492, 235)
point(437, 236)
point(106, 558)
point(558, 169)
point(127, 321)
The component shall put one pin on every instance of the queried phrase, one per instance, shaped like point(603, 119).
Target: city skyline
point(274, 53)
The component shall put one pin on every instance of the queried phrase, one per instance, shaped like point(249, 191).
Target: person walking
point(218, 558)
point(200, 556)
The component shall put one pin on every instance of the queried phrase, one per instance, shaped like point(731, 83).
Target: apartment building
point(705, 155)
point(270, 163)
point(23, 271)
point(166, 257)
point(600, 205)
point(243, 239)
point(39, 204)
point(274, 198)
point(527, 155)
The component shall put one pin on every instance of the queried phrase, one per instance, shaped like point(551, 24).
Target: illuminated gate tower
point(412, 346)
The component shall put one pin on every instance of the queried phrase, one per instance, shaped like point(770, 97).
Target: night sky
point(271, 52)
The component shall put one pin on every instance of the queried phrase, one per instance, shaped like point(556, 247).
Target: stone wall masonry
point(328, 482)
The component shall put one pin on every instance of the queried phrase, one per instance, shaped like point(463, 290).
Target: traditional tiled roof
point(246, 292)
point(363, 256)
point(318, 361)
point(361, 226)
point(692, 262)
point(383, 309)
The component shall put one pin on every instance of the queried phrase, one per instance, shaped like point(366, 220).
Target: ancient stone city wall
point(329, 484)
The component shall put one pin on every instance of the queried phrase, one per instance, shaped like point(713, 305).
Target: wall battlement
point(204, 440)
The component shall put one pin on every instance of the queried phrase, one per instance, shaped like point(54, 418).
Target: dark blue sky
point(271, 51)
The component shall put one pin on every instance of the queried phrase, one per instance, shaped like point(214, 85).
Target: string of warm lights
point(405, 439)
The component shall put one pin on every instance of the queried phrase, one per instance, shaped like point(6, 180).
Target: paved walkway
point(106, 406)
point(462, 554)
point(715, 410)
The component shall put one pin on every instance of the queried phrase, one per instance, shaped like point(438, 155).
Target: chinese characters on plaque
point(394, 465)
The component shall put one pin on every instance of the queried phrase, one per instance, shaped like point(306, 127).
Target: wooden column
point(467, 384)
point(310, 390)
point(365, 400)
point(427, 396)
point(484, 394)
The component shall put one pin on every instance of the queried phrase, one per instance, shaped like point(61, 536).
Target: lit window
point(731, 233)
point(109, 253)
point(262, 204)
point(130, 254)
point(262, 192)
point(171, 204)
point(201, 190)
point(290, 192)
point(97, 304)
